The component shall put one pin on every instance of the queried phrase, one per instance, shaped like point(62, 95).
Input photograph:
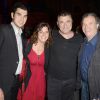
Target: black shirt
point(63, 56)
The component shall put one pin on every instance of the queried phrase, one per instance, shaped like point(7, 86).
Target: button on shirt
point(85, 58)
point(18, 32)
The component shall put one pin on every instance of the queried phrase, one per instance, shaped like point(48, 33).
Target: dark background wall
point(47, 10)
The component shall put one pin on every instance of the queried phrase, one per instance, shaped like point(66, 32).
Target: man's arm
point(1, 37)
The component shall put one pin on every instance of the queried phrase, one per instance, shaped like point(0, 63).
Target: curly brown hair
point(38, 28)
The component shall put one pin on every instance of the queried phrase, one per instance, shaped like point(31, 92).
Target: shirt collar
point(93, 41)
point(16, 29)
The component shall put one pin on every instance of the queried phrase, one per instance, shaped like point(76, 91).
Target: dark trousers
point(60, 90)
point(15, 87)
point(12, 94)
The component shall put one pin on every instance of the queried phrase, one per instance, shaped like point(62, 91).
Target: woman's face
point(43, 34)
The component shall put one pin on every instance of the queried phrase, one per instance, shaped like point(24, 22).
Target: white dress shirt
point(18, 32)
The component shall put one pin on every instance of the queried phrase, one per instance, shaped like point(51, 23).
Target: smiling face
point(43, 34)
point(89, 27)
point(65, 24)
point(19, 17)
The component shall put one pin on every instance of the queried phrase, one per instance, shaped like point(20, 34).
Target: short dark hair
point(65, 13)
point(18, 5)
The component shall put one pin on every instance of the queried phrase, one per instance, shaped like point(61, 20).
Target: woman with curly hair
point(36, 58)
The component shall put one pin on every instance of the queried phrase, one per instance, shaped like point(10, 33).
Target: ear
point(97, 25)
point(12, 15)
point(57, 24)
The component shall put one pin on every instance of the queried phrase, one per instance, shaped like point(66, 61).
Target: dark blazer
point(8, 59)
point(94, 71)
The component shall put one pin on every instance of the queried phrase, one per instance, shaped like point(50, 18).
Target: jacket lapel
point(13, 38)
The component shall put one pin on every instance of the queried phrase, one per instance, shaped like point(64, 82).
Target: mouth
point(87, 31)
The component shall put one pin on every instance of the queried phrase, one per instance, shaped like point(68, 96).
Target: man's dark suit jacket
point(8, 59)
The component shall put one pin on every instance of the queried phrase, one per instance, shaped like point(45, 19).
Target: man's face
point(89, 27)
point(19, 17)
point(65, 24)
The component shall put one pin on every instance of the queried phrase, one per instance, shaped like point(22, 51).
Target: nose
point(65, 25)
point(85, 26)
point(22, 19)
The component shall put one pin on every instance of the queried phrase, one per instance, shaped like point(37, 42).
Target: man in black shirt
point(62, 66)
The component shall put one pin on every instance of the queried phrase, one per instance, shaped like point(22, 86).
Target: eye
point(40, 32)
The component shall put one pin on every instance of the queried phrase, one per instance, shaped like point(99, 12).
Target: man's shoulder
point(79, 37)
point(98, 38)
point(4, 26)
point(55, 33)
point(4, 29)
